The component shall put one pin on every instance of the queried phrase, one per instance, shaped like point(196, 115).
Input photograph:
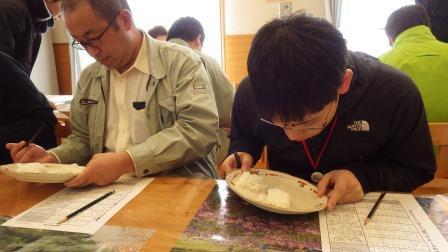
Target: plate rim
point(24, 176)
point(263, 205)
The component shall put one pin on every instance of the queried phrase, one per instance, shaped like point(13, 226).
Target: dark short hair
point(186, 28)
point(157, 31)
point(296, 65)
point(404, 18)
point(106, 9)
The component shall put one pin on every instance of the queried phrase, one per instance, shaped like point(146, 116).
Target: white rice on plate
point(254, 184)
point(47, 168)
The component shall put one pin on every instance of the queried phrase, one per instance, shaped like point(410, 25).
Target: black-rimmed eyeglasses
point(96, 41)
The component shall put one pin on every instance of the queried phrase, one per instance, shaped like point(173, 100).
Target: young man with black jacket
point(340, 119)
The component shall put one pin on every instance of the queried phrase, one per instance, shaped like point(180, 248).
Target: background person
point(438, 14)
point(158, 32)
point(419, 54)
point(188, 32)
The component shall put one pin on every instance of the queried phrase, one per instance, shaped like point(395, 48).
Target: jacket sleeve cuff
point(142, 160)
point(133, 162)
point(54, 155)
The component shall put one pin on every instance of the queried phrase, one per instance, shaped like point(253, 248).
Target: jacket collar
point(419, 32)
point(179, 42)
point(364, 68)
point(156, 67)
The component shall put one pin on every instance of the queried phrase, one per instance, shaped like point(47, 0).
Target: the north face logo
point(359, 126)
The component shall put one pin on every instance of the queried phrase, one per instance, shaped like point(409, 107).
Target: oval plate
point(303, 195)
point(42, 177)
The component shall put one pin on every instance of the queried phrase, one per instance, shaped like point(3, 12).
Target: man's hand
point(341, 187)
point(31, 153)
point(229, 164)
point(103, 169)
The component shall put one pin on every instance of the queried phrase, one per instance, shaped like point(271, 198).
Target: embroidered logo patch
point(360, 125)
point(199, 86)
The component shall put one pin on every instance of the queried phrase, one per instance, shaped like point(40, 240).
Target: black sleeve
point(23, 109)
point(243, 132)
point(12, 20)
point(407, 158)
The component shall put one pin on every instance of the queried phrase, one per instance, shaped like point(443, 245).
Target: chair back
point(439, 135)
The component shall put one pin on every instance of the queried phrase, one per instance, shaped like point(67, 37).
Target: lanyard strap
point(308, 153)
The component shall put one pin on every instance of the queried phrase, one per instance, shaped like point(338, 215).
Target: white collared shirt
point(126, 120)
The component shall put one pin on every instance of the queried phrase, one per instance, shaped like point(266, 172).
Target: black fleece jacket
point(381, 133)
point(23, 109)
point(21, 25)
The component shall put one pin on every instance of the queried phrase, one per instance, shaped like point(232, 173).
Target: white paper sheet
point(399, 224)
point(49, 212)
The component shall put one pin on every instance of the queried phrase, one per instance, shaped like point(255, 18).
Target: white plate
point(303, 195)
point(56, 173)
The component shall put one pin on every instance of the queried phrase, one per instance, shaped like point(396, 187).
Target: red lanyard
point(307, 151)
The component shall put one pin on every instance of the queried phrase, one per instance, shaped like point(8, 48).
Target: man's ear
point(196, 43)
point(125, 19)
point(346, 80)
point(391, 40)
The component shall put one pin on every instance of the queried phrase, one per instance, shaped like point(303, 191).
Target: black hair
point(404, 18)
point(186, 28)
point(157, 30)
point(296, 65)
point(106, 9)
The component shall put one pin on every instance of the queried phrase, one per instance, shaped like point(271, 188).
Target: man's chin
point(103, 61)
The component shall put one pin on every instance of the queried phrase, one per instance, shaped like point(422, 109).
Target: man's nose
point(93, 51)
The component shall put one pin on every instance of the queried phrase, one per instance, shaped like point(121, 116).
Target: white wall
point(44, 70)
point(247, 16)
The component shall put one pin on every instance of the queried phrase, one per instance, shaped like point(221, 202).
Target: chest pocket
point(167, 111)
point(139, 122)
point(89, 107)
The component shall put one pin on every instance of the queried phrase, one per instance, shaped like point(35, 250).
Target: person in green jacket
point(145, 107)
point(188, 32)
point(419, 54)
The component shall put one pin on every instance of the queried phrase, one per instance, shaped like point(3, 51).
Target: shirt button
point(145, 171)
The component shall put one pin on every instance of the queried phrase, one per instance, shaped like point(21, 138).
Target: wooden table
point(167, 205)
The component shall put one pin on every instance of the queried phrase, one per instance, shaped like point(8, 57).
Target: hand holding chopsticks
point(34, 136)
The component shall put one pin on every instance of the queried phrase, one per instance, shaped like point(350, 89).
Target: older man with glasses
point(145, 107)
point(340, 119)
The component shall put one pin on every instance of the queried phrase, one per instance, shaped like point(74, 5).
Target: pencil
point(66, 218)
point(238, 159)
point(373, 210)
point(34, 136)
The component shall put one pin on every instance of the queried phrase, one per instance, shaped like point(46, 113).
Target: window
point(149, 13)
point(363, 22)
